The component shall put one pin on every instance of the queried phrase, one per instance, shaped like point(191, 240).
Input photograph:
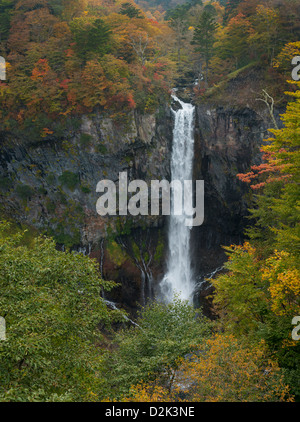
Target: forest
point(68, 59)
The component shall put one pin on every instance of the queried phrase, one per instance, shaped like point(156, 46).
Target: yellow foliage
point(147, 393)
point(225, 370)
point(290, 50)
point(284, 281)
point(221, 370)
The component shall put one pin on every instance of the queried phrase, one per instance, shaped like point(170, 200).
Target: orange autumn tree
point(105, 83)
point(70, 40)
point(224, 370)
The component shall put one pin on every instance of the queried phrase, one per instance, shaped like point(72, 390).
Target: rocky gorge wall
point(51, 185)
point(47, 179)
point(227, 142)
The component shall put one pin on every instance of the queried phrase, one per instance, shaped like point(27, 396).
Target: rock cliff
point(51, 185)
point(227, 142)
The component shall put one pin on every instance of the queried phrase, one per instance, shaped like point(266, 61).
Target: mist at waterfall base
point(179, 279)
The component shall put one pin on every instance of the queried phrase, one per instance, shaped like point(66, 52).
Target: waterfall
point(179, 278)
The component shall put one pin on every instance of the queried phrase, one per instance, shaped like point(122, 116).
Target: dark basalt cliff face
point(227, 142)
point(51, 186)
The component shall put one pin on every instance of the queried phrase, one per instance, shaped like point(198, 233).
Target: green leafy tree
point(52, 306)
point(150, 349)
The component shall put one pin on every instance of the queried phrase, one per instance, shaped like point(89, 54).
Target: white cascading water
point(179, 278)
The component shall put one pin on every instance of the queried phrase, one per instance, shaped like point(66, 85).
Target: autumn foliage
point(78, 57)
point(221, 370)
point(259, 294)
point(68, 58)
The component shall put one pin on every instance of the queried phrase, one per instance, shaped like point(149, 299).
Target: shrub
point(69, 179)
point(24, 191)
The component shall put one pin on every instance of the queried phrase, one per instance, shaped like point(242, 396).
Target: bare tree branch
point(269, 101)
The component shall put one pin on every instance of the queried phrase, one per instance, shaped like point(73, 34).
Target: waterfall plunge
point(179, 278)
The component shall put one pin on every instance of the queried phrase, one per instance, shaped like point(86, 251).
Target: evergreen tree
point(129, 10)
point(91, 36)
point(6, 7)
point(204, 37)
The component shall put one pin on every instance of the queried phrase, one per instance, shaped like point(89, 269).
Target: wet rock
point(176, 105)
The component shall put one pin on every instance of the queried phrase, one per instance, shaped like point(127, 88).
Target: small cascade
point(203, 282)
point(143, 265)
point(101, 262)
point(101, 257)
point(146, 280)
point(113, 306)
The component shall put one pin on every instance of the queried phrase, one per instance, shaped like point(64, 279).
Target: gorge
point(194, 299)
point(63, 177)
